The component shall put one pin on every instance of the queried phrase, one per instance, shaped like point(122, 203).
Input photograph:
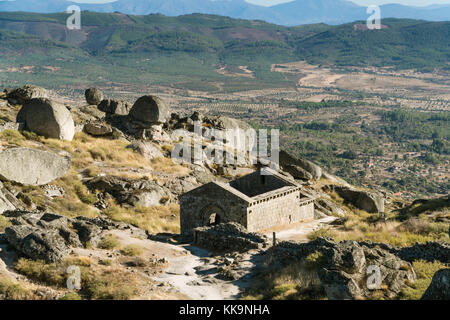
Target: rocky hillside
point(96, 187)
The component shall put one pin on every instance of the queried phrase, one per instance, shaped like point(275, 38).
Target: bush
point(10, 290)
point(425, 271)
point(132, 250)
point(109, 242)
point(109, 285)
point(50, 274)
point(425, 228)
point(315, 261)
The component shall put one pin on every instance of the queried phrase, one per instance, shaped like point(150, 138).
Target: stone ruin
point(258, 201)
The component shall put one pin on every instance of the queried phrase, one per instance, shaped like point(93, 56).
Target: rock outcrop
point(31, 166)
point(299, 168)
point(26, 93)
point(222, 122)
point(297, 172)
point(7, 200)
point(332, 207)
point(352, 270)
point(41, 236)
point(93, 96)
point(439, 288)
point(146, 149)
point(129, 191)
point(364, 200)
point(115, 107)
point(149, 110)
point(98, 129)
point(47, 118)
point(51, 237)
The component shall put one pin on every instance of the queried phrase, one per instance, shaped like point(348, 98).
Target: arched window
point(211, 215)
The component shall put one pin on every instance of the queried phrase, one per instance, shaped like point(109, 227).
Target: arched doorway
point(211, 216)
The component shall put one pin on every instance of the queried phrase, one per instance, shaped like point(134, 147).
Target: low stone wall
point(430, 251)
point(228, 237)
point(296, 251)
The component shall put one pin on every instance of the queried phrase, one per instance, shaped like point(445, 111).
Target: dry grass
point(4, 223)
point(297, 281)
point(12, 290)
point(425, 271)
point(358, 227)
point(86, 150)
point(166, 165)
point(71, 296)
point(77, 200)
point(132, 250)
point(98, 282)
point(109, 242)
point(153, 219)
point(48, 274)
point(92, 156)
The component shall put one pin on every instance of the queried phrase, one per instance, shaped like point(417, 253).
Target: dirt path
point(193, 275)
point(191, 272)
point(194, 272)
point(301, 230)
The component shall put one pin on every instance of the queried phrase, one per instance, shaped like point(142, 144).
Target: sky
point(365, 2)
point(360, 2)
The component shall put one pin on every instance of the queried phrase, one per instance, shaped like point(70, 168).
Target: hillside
point(203, 44)
point(289, 14)
point(113, 204)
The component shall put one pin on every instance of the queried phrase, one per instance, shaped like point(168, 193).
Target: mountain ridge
point(288, 14)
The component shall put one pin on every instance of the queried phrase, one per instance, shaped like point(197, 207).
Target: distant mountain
point(403, 43)
point(292, 13)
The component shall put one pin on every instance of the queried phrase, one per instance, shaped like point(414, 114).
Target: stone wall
point(195, 208)
point(228, 237)
point(282, 210)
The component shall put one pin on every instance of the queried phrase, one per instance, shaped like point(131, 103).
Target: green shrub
point(315, 261)
point(50, 274)
point(109, 242)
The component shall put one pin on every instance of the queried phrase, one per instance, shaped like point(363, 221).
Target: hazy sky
point(365, 2)
point(361, 2)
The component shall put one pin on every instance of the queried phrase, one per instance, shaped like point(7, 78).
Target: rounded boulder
point(93, 96)
point(150, 109)
point(47, 118)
